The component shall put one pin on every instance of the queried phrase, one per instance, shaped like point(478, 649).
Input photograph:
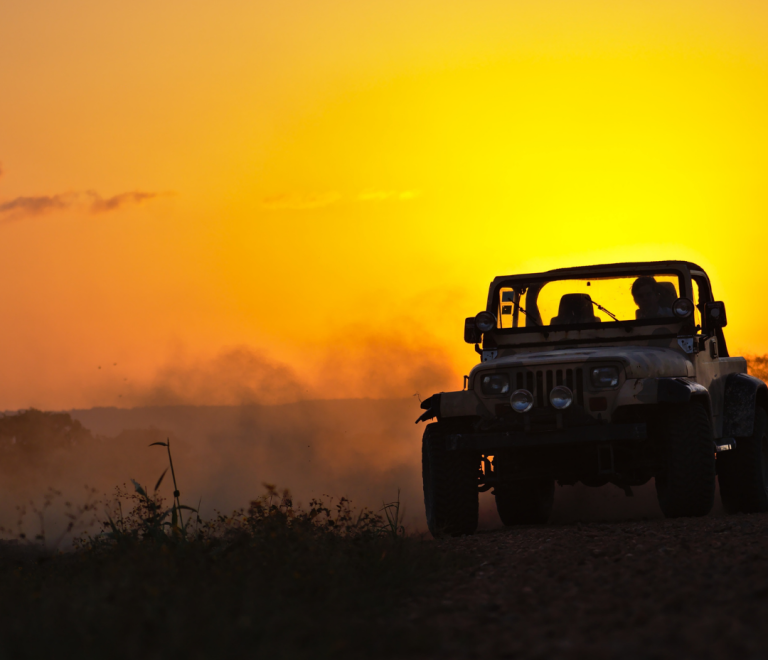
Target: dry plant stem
point(176, 493)
point(394, 517)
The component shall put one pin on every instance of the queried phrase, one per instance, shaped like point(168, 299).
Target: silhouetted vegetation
point(273, 580)
point(758, 366)
point(29, 432)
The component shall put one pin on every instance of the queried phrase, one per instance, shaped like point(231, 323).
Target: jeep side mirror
point(472, 334)
point(715, 313)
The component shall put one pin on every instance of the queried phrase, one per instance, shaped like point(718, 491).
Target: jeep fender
point(432, 406)
point(453, 404)
point(462, 404)
point(681, 390)
point(663, 390)
point(743, 393)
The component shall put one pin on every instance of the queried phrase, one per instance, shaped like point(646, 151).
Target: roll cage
point(687, 271)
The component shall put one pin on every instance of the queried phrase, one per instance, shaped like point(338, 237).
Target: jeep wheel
point(450, 485)
point(743, 472)
point(686, 487)
point(525, 502)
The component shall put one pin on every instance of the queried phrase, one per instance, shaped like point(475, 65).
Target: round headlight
point(682, 308)
point(560, 397)
point(485, 321)
point(495, 384)
point(603, 377)
point(521, 401)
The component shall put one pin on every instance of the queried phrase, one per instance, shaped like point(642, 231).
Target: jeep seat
point(575, 308)
point(667, 294)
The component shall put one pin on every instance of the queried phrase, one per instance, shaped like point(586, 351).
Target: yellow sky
point(331, 176)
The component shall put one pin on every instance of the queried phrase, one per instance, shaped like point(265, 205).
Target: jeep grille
point(540, 383)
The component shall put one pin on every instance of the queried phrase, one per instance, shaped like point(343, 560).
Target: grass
point(272, 580)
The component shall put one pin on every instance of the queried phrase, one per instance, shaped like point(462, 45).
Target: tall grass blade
point(160, 480)
point(176, 493)
point(394, 517)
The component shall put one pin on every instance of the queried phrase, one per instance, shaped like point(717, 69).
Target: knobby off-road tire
point(450, 485)
point(525, 502)
point(743, 472)
point(686, 487)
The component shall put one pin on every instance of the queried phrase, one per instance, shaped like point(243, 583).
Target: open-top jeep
point(600, 374)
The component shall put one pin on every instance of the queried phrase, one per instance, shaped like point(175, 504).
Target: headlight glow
point(604, 377)
point(521, 401)
point(560, 397)
point(495, 384)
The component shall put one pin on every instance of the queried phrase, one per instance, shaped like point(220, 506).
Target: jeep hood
point(638, 361)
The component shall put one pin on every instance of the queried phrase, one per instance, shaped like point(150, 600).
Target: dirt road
point(685, 588)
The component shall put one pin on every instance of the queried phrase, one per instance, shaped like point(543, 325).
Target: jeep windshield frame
point(533, 331)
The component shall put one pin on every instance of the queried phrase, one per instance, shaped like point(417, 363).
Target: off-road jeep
point(614, 374)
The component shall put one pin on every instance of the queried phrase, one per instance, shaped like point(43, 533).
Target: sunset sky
point(269, 201)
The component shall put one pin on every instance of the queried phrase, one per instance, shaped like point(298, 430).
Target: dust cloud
point(366, 364)
point(362, 449)
point(235, 376)
point(366, 449)
point(340, 425)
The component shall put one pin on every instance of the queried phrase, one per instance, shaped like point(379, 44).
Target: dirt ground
point(684, 588)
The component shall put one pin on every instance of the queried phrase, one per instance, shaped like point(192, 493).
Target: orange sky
point(334, 184)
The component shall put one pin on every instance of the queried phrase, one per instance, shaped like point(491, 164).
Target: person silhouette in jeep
point(648, 297)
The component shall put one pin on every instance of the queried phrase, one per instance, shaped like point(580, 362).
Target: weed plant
point(273, 580)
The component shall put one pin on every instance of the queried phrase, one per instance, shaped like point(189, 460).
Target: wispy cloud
point(26, 206)
point(305, 201)
point(90, 201)
point(300, 201)
point(384, 195)
point(99, 204)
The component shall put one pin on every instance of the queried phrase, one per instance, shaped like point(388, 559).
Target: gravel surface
point(684, 588)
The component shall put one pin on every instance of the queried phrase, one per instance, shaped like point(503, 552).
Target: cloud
point(300, 201)
point(306, 201)
point(383, 195)
point(27, 206)
point(90, 201)
point(99, 204)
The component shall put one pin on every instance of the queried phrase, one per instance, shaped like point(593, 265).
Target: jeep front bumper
point(488, 441)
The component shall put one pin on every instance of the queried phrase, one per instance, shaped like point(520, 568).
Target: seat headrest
point(575, 308)
point(575, 304)
point(667, 294)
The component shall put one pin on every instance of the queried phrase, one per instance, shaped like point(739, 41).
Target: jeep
point(615, 374)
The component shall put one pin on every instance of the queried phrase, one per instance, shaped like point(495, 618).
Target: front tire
point(450, 485)
point(743, 472)
point(686, 487)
